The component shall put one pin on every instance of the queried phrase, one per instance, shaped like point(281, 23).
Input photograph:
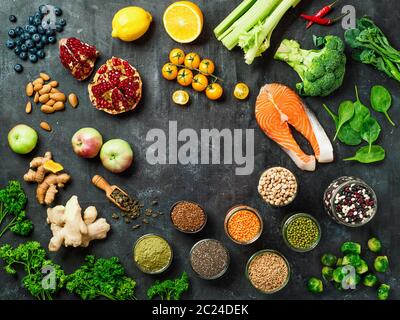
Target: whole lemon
point(130, 23)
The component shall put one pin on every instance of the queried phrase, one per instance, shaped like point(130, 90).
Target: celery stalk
point(257, 13)
point(233, 16)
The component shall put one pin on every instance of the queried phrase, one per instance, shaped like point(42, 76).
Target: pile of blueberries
point(28, 41)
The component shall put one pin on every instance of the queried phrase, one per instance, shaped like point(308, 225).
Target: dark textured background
point(216, 188)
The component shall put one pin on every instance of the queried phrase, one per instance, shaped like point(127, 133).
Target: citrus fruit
point(180, 97)
point(130, 23)
point(183, 21)
point(241, 91)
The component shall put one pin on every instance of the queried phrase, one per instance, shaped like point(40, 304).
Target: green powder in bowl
point(152, 254)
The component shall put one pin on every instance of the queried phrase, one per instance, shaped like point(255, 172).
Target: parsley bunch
point(169, 289)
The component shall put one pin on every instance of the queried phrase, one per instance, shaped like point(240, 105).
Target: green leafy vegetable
point(370, 280)
point(374, 245)
point(346, 112)
point(349, 136)
point(368, 154)
point(321, 70)
point(315, 285)
point(381, 101)
point(12, 204)
point(169, 289)
point(334, 117)
point(381, 263)
point(383, 291)
point(370, 131)
point(101, 277)
point(32, 257)
point(361, 113)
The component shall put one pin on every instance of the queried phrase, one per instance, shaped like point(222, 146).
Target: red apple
point(116, 155)
point(87, 142)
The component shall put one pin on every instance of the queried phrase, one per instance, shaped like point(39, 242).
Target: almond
point(29, 89)
point(45, 126)
point(53, 84)
point(54, 90)
point(59, 96)
point(28, 108)
point(44, 98)
point(38, 81)
point(44, 76)
point(37, 87)
point(58, 106)
point(36, 98)
point(73, 100)
point(47, 109)
point(46, 89)
point(51, 102)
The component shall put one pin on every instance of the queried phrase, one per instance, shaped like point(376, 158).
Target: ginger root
point(48, 184)
point(71, 229)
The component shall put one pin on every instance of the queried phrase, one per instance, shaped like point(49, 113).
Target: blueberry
point(33, 58)
point(36, 37)
point(40, 45)
point(12, 18)
point(18, 68)
point(59, 28)
point(30, 20)
point(19, 30)
point(26, 28)
point(17, 50)
point(29, 43)
point(24, 47)
point(38, 14)
point(58, 11)
point(25, 36)
point(62, 22)
point(10, 44)
point(50, 32)
point(41, 30)
point(32, 29)
point(41, 54)
point(23, 55)
point(37, 21)
point(52, 39)
point(44, 40)
point(43, 9)
point(33, 50)
point(19, 42)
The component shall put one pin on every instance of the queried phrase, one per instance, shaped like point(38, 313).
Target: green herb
point(32, 257)
point(370, 131)
point(361, 112)
point(315, 285)
point(169, 289)
point(374, 245)
point(368, 154)
point(383, 291)
point(12, 204)
point(381, 263)
point(346, 112)
point(101, 277)
point(381, 101)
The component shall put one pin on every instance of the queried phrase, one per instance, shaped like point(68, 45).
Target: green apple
point(116, 155)
point(22, 139)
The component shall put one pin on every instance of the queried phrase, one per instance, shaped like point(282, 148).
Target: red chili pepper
point(323, 21)
point(322, 13)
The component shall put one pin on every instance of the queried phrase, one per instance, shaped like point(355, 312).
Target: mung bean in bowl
point(209, 259)
point(152, 254)
point(268, 271)
point(301, 232)
point(278, 186)
point(188, 216)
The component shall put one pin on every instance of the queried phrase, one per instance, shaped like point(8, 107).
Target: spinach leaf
point(370, 131)
point(368, 154)
point(361, 113)
point(349, 136)
point(346, 112)
point(381, 101)
point(334, 117)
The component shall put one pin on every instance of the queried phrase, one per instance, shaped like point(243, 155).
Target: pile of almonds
point(277, 186)
point(45, 92)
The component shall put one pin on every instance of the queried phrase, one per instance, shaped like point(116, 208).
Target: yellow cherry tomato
point(177, 56)
point(169, 71)
point(206, 66)
point(214, 91)
point(241, 91)
point(180, 97)
point(185, 77)
point(192, 60)
point(200, 82)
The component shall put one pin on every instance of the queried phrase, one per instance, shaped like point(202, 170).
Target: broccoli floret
point(374, 245)
point(381, 263)
point(328, 260)
point(370, 280)
point(321, 70)
point(315, 285)
point(383, 291)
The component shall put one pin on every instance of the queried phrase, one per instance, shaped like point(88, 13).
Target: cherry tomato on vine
point(169, 71)
point(192, 60)
point(200, 82)
point(214, 91)
point(177, 56)
point(207, 66)
point(185, 77)
point(241, 91)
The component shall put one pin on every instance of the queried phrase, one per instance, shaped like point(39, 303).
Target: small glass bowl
point(258, 253)
point(163, 268)
point(219, 275)
point(231, 212)
point(286, 225)
point(183, 231)
point(294, 196)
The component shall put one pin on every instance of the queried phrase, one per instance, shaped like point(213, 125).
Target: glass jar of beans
point(278, 186)
point(350, 201)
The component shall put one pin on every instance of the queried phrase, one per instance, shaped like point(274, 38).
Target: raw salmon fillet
point(277, 106)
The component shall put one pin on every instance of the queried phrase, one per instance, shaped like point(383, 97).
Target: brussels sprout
point(327, 273)
point(374, 245)
point(381, 263)
point(328, 260)
point(362, 268)
point(370, 280)
point(339, 274)
point(338, 285)
point(351, 247)
point(350, 282)
point(315, 285)
point(339, 262)
point(383, 291)
point(351, 259)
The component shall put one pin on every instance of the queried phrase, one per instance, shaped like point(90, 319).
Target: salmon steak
point(277, 107)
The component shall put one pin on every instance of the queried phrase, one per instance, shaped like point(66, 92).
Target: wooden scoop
point(102, 184)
